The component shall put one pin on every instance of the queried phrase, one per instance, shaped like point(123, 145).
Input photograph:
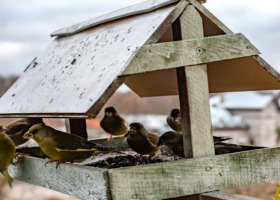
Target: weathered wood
point(183, 96)
point(190, 52)
point(198, 94)
point(62, 80)
point(140, 8)
point(166, 25)
point(194, 176)
point(77, 127)
point(241, 74)
point(80, 181)
point(224, 195)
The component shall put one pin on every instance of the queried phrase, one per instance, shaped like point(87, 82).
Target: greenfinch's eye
point(34, 131)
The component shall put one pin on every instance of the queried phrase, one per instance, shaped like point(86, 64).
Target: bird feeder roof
point(87, 62)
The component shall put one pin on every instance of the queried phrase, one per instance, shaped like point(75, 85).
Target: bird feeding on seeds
point(141, 141)
point(64, 147)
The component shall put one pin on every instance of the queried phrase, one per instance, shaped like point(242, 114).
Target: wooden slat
point(79, 181)
point(224, 195)
point(140, 8)
point(194, 176)
point(190, 52)
point(197, 95)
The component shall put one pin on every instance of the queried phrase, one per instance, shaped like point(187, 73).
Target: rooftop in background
point(243, 100)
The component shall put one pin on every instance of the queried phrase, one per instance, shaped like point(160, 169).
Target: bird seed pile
point(129, 160)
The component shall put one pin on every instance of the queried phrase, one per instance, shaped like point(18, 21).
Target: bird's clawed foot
point(19, 157)
point(51, 161)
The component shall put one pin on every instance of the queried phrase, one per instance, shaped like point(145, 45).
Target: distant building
point(258, 110)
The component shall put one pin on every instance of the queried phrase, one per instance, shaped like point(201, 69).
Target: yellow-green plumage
point(141, 141)
point(7, 152)
point(63, 147)
point(113, 123)
point(18, 128)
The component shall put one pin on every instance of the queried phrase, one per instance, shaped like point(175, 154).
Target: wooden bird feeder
point(158, 47)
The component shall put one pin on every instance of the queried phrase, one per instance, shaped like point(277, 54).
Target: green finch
point(113, 123)
point(7, 153)
point(63, 147)
point(18, 128)
point(140, 140)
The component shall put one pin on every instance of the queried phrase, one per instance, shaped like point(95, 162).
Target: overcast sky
point(26, 25)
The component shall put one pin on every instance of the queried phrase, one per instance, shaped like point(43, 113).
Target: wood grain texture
point(190, 52)
point(194, 176)
point(79, 181)
point(140, 8)
point(224, 195)
point(75, 72)
point(197, 99)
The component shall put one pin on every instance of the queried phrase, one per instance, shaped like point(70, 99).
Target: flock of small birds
point(64, 147)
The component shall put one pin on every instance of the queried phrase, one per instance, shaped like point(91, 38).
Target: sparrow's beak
point(126, 135)
point(27, 135)
point(109, 114)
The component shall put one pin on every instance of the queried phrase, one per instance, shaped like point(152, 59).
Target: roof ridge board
point(140, 8)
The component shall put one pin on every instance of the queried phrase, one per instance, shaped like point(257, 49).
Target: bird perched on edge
point(174, 120)
point(63, 147)
point(113, 123)
point(174, 141)
point(16, 129)
point(140, 140)
point(7, 152)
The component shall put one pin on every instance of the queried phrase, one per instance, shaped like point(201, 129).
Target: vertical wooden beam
point(183, 95)
point(194, 92)
point(77, 127)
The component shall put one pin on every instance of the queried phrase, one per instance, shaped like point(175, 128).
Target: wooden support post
point(77, 127)
point(193, 91)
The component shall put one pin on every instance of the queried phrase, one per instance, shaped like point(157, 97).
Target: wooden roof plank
point(190, 52)
point(75, 71)
point(140, 8)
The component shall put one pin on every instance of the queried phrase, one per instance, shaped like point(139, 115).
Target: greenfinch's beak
point(27, 135)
